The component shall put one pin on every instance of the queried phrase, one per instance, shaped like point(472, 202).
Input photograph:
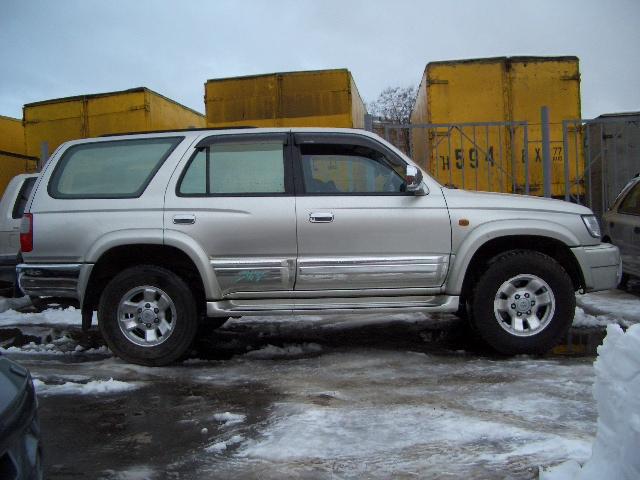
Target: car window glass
point(247, 168)
point(23, 197)
point(236, 169)
point(348, 169)
point(194, 180)
point(114, 169)
point(631, 203)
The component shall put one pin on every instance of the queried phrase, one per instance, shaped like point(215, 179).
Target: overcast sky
point(51, 49)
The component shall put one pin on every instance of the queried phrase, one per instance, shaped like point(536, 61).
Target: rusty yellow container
point(136, 110)
point(494, 93)
point(320, 98)
point(11, 135)
point(12, 164)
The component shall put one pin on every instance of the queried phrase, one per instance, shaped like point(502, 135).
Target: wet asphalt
point(352, 371)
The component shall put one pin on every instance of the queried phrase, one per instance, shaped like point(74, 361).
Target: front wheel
point(147, 315)
point(523, 303)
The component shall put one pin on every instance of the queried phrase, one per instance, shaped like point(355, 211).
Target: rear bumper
point(66, 280)
point(600, 265)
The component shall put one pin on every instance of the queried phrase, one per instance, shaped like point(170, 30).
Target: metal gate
point(489, 156)
point(610, 153)
point(582, 161)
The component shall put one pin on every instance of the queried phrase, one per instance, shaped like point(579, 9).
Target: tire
point(499, 313)
point(624, 282)
point(147, 315)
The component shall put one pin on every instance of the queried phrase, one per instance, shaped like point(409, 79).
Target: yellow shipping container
point(321, 98)
point(136, 110)
point(11, 135)
point(12, 164)
point(504, 89)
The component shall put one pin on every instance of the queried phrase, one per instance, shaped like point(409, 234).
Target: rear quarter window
point(110, 169)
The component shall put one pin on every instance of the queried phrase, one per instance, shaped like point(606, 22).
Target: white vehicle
point(12, 206)
point(161, 230)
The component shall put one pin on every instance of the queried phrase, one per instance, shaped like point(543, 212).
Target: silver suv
point(158, 232)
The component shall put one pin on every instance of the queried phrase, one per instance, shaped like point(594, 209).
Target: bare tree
point(394, 106)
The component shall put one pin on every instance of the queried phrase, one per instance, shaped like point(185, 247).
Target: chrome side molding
point(302, 306)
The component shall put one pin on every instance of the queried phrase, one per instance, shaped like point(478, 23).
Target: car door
point(625, 230)
point(234, 197)
point(358, 229)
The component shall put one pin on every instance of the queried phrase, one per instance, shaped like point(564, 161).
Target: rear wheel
point(523, 303)
point(147, 315)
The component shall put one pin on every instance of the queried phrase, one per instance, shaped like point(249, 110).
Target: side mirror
point(413, 179)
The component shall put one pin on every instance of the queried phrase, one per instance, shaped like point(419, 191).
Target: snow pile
point(94, 387)
point(228, 418)
point(617, 392)
point(271, 352)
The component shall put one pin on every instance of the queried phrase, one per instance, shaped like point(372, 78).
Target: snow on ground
point(611, 306)
point(288, 351)
point(228, 418)
point(94, 387)
point(220, 447)
point(337, 410)
point(52, 316)
point(617, 392)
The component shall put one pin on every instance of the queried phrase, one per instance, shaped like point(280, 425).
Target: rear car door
point(234, 197)
point(358, 229)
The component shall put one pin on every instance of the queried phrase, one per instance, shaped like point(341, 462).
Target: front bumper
point(601, 266)
point(66, 280)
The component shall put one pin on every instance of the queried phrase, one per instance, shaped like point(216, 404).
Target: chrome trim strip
point(361, 292)
point(371, 272)
point(254, 274)
point(44, 280)
point(439, 303)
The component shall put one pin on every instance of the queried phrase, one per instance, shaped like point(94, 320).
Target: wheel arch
point(470, 265)
point(120, 257)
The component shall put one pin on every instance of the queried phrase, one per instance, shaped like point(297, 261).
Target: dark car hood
point(17, 397)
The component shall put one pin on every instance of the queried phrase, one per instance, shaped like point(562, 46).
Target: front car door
point(625, 230)
point(234, 197)
point(358, 229)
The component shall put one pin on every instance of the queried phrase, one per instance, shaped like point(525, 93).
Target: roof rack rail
point(240, 127)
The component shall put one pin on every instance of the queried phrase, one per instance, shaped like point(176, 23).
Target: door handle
point(184, 219)
point(321, 217)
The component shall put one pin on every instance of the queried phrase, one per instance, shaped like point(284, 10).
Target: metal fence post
point(565, 158)
point(546, 150)
point(368, 122)
point(44, 154)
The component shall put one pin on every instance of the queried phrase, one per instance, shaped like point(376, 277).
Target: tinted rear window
point(112, 169)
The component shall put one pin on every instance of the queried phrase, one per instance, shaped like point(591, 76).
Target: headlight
point(591, 222)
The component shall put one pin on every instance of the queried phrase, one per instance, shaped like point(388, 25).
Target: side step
point(301, 306)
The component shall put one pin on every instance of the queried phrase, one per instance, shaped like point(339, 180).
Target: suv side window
point(348, 169)
point(631, 203)
point(243, 168)
point(111, 169)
